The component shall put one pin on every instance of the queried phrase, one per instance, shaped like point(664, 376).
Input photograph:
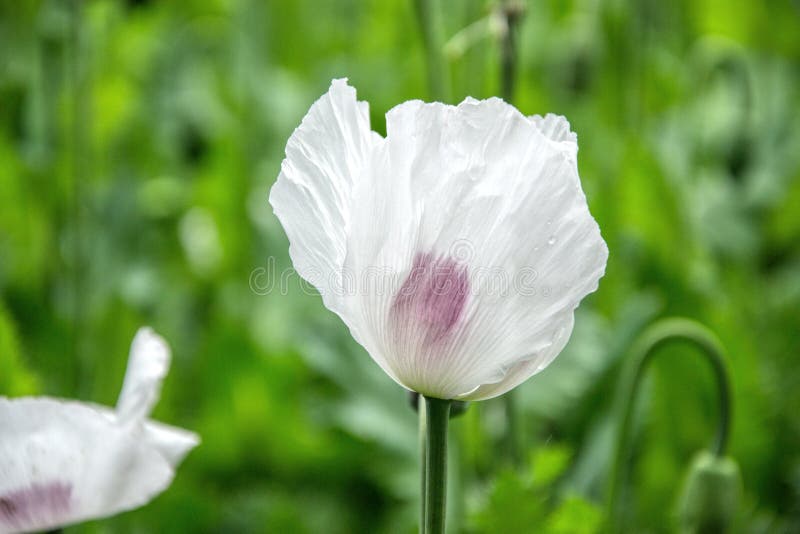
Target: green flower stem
point(656, 336)
point(423, 441)
point(437, 414)
point(434, 59)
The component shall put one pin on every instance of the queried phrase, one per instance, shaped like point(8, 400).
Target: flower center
point(432, 298)
point(29, 506)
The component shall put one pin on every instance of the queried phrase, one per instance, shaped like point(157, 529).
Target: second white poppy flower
point(63, 462)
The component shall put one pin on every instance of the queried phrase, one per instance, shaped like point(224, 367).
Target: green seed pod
point(710, 495)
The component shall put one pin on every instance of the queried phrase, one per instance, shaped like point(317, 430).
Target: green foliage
point(523, 501)
point(138, 142)
point(15, 379)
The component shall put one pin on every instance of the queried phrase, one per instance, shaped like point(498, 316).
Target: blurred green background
point(138, 142)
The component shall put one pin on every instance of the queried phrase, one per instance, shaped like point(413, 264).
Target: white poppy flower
point(62, 462)
point(456, 249)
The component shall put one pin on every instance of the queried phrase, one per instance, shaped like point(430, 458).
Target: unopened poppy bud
point(710, 495)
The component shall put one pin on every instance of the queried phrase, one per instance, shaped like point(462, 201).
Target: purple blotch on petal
point(27, 507)
point(433, 297)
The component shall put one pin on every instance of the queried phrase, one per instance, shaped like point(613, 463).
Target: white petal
point(556, 128)
point(65, 462)
point(313, 194)
point(171, 442)
point(148, 364)
point(525, 368)
point(499, 193)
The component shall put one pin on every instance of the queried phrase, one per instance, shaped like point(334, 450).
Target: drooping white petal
point(313, 194)
point(172, 443)
point(148, 364)
point(64, 462)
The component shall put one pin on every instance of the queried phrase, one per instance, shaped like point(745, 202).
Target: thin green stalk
point(512, 11)
point(437, 412)
point(423, 435)
point(655, 337)
point(512, 439)
point(434, 59)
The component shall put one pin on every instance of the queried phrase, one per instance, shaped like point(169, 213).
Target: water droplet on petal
point(552, 240)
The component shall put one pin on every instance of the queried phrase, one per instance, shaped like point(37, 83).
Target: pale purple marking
point(433, 296)
point(26, 507)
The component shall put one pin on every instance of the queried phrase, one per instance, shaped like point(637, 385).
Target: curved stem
point(656, 336)
point(437, 414)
